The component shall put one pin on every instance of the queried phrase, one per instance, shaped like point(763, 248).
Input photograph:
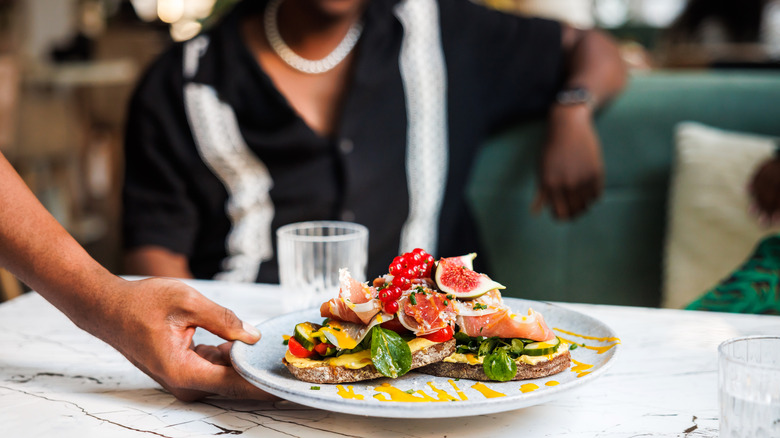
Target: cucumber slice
point(305, 334)
point(542, 348)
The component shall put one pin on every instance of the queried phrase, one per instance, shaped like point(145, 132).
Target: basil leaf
point(499, 366)
point(390, 353)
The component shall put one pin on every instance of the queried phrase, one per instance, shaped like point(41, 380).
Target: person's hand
point(151, 322)
point(764, 189)
point(571, 174)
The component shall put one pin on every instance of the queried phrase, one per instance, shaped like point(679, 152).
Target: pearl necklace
point(297, 62)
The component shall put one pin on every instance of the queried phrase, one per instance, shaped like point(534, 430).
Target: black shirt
point(500, 69)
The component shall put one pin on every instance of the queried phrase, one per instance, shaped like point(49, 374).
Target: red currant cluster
point(405, 268)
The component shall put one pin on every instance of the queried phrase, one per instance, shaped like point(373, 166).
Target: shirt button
point(348, 215)
point(346, 146)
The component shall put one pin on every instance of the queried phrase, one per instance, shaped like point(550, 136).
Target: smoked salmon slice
point(505, 324)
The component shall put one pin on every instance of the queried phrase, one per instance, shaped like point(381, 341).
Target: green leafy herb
point(420, 290)
point(487, 346)
point(499, 366)
point(446, 303)
point(517, 347)
point(573, 346)
point(390, 353)
point(412, 299)
point(409, 391)
point(482, 346)
point(315, 388)
point(285, 341)
point(479, 306)
point(450, 297)
point(462, 338)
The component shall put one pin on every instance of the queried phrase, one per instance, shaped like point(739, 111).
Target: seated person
point(755, 286)
point(237, 131)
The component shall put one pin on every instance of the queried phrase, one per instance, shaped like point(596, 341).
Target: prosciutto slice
point(490, 302)
point(357, 302)
point(426, 313)
point(505, 324)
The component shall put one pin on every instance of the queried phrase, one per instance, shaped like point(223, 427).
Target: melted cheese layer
point(472, 359)
point(352, 361)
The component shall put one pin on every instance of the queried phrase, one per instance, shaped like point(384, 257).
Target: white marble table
point(56, 380)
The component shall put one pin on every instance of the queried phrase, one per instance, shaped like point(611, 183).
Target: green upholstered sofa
point(613, 254)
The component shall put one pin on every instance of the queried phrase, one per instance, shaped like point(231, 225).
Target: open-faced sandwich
point(364, 336)
point(441, 317)
point(493, 342)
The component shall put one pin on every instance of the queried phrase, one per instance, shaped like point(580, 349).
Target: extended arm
point(151, 322)
point(571, 176)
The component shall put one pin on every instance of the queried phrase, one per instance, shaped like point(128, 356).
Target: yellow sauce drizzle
point(487, 392)
point(457, 390)
point(349, 392)
point(528, 387)
point(580, 368)
point(551, 383)
point(591, 338)
point(442, 395)
point(286, 337)
point(598, 350)
point(344, 341)
point(397, 395)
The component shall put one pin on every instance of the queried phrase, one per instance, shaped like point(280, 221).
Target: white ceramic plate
point(261, 364)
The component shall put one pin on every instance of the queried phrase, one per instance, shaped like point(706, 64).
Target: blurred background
point(68, 67)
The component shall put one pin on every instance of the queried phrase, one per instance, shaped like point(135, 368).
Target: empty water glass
point(749, 383)
point(310, 255)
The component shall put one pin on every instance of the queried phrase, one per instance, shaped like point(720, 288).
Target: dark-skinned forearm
point(593, 61)
point(35, 248)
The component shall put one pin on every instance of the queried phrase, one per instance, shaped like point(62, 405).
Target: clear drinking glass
point(749, 383)
point(310, 255)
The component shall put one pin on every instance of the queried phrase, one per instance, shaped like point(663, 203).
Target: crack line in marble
point(225, 431)
point(265, 426)
point(20, 378)
point(85, 411)
point(27, 337)
point(692, 428)
point(278, 420)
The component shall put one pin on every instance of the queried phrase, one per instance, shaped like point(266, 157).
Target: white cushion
point(710, 232)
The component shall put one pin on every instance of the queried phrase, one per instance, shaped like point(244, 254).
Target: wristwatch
point(575, 96)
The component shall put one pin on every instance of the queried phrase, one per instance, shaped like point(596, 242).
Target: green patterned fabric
point(753, 288)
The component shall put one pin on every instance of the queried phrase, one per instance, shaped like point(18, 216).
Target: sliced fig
point(464, 260)
point(462, 282)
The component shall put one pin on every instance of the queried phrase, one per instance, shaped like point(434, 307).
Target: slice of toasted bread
point(475, 372)
point(338, 374)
